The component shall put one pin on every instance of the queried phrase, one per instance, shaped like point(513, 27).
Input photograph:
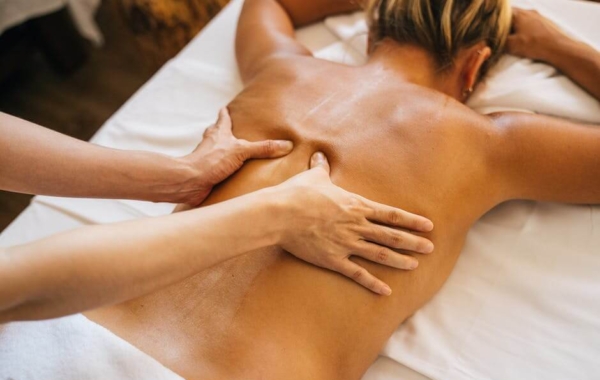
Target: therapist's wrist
point(186, 183)
point(160, 178)
point(276, 208)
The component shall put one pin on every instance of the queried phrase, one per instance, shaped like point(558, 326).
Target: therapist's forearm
point(37, 160)
point(100, 265)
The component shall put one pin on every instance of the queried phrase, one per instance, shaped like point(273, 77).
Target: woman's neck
point(415, 64)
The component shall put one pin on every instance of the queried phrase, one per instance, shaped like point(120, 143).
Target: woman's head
point(443, 27)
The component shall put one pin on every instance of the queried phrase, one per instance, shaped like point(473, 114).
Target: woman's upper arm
point(265, 30)
point(549, 159)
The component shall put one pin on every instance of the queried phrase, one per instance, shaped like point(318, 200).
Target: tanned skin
point(395, 131)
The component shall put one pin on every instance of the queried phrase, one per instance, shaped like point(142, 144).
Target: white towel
point(72, 348)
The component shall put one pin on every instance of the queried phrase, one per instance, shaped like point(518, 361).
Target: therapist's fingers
point(224, 121)
point(363, 277)
point(319, 160)
point(395, 239)
point(264, 149)
point(385, 256)
point(223, 124)
point(391, 216)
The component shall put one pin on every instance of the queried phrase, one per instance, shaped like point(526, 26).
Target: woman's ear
point(475, 57)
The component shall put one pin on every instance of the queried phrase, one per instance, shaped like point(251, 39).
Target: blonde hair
point(443, 27)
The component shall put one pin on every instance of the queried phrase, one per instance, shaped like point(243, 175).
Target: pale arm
point(304, 12)
point(37, 160)
point(99, 265)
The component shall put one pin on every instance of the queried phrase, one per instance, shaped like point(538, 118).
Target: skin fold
point(395, 131)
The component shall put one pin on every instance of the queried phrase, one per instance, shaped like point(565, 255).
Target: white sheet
point(14, 12)
point(72, 349)
point(521, 303)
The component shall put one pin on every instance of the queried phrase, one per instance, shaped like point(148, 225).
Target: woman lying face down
point(395, 131)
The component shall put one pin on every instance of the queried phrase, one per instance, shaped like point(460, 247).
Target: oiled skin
point(267, 315)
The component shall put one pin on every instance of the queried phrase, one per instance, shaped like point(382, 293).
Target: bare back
point(267, 315)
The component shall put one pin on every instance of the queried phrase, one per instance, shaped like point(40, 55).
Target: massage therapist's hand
point(328, 225)
point(37, 160)
point(534, 36)
point(220, 154)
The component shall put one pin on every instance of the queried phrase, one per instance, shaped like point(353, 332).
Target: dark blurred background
point(51, 75)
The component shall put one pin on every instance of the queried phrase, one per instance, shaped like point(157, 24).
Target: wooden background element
point(163, 27)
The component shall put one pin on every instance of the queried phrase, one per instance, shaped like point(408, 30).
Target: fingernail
point(285, 145)
point(429, 247)
point(414, 265)
point(386, 291)
point(427, 225)
point(316, 159)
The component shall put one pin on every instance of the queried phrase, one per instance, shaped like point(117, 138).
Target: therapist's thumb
point(318, 160)
point(266, 149)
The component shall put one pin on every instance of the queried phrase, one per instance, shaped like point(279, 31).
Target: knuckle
point(239, 145)
point(394, 217)
point(354, 202)
point(332, 264)
point(269, 147)
point(208, 131)
point(241, 150)
point(382, 255)
point(396, 241)
point(358, 274)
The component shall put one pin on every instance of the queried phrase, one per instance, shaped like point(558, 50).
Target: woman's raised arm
point(266, 29)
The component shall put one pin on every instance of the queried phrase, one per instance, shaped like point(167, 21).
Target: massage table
point(522, 302)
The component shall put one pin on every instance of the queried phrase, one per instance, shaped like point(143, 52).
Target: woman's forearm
point(578, 61)
point(304, 12)
point(535, 37)
point(78, 270)
point(36, 160)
